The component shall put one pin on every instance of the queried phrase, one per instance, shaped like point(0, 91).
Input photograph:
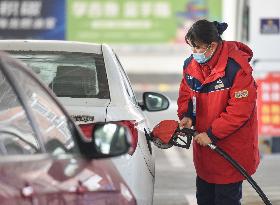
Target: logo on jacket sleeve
point(219, 85)
point(241, 94)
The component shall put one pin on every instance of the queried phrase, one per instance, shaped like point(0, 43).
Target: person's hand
point(202, 139)
point(186, 122)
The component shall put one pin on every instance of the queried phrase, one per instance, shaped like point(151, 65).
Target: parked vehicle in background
point(91, 83)
point(44, 157)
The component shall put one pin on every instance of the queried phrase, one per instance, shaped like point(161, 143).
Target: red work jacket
point(222, 103)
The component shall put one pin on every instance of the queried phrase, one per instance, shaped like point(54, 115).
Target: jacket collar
point(214, 60)
point(217, 64)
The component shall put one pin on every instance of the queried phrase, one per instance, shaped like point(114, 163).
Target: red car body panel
point(72, 180)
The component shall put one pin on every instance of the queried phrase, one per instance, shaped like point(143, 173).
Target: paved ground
point(175, 179)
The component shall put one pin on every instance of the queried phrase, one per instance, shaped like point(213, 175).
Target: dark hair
point(206, 32)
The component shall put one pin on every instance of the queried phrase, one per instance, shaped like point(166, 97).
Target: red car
point(44, 157)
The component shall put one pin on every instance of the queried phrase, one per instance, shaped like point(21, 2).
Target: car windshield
point(69, 74)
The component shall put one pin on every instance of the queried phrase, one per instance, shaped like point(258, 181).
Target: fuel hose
point(242, 171)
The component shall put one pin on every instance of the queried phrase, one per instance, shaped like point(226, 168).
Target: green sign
point(136, 21)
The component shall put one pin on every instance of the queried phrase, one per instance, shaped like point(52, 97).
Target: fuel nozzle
point(183, 137)
point(168, 133)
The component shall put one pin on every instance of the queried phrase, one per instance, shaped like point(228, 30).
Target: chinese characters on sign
point(24, 15)
point(120, 21)
point(135, 9)
point(269, 105)
point(130, 11)
point(137, 21)
point(28, 18)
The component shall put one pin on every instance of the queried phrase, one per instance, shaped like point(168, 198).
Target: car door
point(35, 140)
point(18, 143)
point(48, 174)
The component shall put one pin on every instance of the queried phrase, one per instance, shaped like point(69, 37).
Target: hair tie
point(221, 27)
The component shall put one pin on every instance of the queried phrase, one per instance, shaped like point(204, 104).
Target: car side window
point(52, 122)
point(16, 134)
point(127, 84)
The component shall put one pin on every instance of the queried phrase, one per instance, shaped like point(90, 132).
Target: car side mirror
point(106, 140)
point(153, 102)
point(111, 139)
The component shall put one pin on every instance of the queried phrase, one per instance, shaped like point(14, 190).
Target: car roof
point(50, 45)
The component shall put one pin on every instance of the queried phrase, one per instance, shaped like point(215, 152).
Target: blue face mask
point(200, 57)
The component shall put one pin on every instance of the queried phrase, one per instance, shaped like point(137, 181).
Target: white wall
point(229, 11)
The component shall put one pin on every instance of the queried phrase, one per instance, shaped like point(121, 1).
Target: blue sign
point(270, 26)
point(32, 19)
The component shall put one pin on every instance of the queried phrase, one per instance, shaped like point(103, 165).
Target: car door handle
point(27, 191)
